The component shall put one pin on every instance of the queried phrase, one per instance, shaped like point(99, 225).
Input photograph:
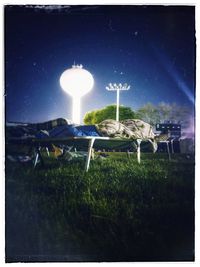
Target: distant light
point(117, 87)
point(76, 82)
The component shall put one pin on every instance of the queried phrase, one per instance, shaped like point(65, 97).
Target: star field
point(152, 48)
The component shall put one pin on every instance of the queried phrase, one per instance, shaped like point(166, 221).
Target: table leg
point(38, 156)
point(47, 150)
point(138, 150)
point(87, 164)
point(172, 146)
point(128, 153)
point(168, 151)
point(36, 159)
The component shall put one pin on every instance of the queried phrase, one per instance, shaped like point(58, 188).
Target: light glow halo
point(76, 81)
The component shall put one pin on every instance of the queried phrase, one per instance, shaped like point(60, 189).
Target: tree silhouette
point(109, 112)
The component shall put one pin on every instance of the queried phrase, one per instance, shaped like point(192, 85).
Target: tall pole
point(117, 87)
point(117, 111)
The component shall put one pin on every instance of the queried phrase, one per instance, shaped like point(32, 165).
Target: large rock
point(130, 129)
point(112, 128)
point(139, 128)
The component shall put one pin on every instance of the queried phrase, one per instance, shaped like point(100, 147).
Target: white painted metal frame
point(90, 146)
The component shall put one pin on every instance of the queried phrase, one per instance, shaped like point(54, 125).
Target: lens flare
point(173, 73)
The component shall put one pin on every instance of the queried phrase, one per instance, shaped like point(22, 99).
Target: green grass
point(118, 211)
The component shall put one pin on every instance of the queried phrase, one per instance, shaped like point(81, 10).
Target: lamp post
point(76, 82)
point(118, 87)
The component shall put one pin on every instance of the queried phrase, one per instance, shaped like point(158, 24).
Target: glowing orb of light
point(76, 81)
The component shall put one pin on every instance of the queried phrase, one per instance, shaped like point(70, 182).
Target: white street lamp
point(76, 82)
point(118, 87)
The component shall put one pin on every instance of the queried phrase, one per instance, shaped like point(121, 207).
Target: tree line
point(149, 113)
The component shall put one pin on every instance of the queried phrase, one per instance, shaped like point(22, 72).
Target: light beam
point(76, 82)
point(174, 74)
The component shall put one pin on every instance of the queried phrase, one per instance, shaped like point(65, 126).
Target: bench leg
point(38, 156)
point(168, 151)
point(36, 159)
point(172, 146)
point(87, 164)
point(138, 150)
point(47, 150)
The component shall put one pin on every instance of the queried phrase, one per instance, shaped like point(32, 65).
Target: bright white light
point(76, 82)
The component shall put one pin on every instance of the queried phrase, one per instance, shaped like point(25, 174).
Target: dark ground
point(118, 211)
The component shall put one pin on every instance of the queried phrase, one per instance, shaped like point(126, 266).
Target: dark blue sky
point(152, 48)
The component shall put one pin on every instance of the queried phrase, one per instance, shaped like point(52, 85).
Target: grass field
point(118, 211)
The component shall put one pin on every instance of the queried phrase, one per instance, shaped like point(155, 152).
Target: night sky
point(152, 48)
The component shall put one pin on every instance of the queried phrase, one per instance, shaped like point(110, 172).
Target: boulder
point(112, 128)
point(130, 129)
point(139, 128)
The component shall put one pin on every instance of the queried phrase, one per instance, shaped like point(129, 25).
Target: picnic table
point(86, 142)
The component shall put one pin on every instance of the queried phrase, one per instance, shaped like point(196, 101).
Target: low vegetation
point(118, 211)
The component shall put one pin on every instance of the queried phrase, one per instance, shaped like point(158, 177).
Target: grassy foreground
point(118, 211)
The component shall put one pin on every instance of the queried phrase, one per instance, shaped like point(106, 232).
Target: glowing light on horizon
point(76, 82)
